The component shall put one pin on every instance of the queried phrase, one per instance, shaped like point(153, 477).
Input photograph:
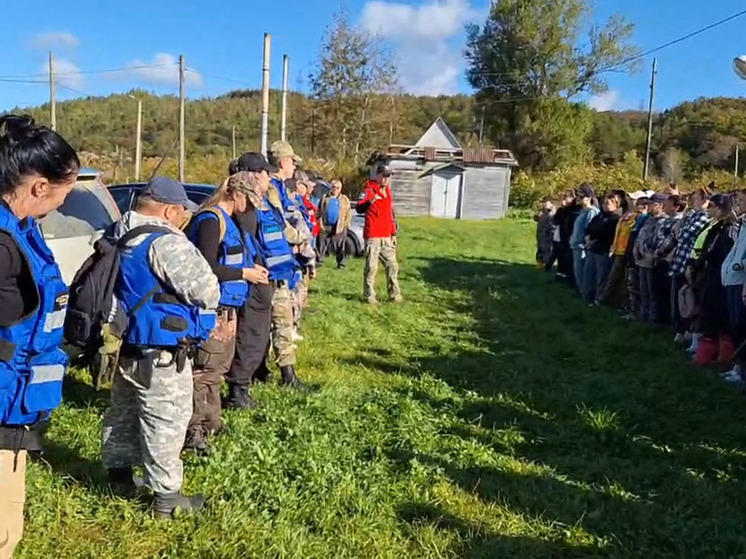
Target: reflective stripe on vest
point(31, 362)
point(277, 252)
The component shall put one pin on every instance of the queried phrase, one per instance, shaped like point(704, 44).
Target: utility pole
point(313, 130)
point(265, 95)
point(481, 128)
point(182, 121)
point(233, 142)
point(138, 143)
point(52, 94)
point(650, 120)
point(735, 171)
point(283, 119)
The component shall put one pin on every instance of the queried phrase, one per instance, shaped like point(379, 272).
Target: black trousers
point(252, 336)
point(331, 242)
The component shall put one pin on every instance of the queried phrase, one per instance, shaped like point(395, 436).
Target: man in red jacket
point(380, 234)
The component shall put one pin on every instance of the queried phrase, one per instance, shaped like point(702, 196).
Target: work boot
point(196, 443)
point(239, 398)
point(122, 482)
point(168, 504)
point(262, 374)
point(291, 380)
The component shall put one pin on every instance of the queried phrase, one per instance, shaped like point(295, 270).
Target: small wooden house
point(440, 178)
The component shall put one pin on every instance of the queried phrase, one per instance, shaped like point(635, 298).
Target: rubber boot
point(122, 482)
point(291, 380)
point(727, 350)
point(239, 398)
point(168, 504)
point(195, 442)
point(707, 352)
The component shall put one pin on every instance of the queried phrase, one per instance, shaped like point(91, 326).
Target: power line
point(101, 71)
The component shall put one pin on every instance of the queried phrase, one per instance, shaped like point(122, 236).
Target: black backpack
point(91, 303)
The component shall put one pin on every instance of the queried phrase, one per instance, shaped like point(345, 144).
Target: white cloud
point(426, 38)
point(56, 39)
point(162, 70)
point(66, 73)
point(607, 101)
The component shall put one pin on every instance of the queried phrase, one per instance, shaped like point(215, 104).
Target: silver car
point(71, 230)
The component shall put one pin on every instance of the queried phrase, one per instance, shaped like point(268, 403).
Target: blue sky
point(222, 44)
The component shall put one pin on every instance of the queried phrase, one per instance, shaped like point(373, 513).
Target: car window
point(81, 215)
point(197, 197)
point(122, 198)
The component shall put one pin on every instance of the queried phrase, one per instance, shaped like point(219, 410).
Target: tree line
point(530, 63)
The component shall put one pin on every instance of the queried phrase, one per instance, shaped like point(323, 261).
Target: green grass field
point(492, 415)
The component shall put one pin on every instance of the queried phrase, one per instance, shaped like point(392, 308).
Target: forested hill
point(700, 134)
point(106, 125)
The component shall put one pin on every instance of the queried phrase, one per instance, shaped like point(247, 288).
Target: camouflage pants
point(151, 403)
point(282, 326)
point(212, 361)
point(385, 251)
point(300, 299)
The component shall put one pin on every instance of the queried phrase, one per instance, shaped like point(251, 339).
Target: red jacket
point(378, 206)
point(312, 213)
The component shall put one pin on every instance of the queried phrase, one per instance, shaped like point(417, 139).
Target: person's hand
point(743, 295)
point(393, 240)
point(257, 274)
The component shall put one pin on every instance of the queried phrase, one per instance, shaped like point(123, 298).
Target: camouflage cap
point(281, 149)
point(242, 182)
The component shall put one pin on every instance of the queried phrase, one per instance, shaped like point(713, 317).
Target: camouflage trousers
point(212, 361)
point(385, 251)
point(282, 326)
point(300, 299)
point(151, 403)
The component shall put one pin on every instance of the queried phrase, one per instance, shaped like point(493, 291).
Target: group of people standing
point(204, 295)
point(670, 259)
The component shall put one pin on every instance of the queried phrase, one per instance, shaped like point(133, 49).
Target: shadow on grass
point(78, 392)
point(71, 465)
point(479, 542)
point(640, 449)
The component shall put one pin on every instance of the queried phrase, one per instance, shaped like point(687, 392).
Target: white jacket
point(733, 271)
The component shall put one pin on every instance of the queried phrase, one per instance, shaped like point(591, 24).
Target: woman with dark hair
point(38, 169)
point(599, 237)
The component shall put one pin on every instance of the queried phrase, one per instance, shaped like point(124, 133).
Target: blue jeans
point(648, 302)
point(595, 272)
point(578, 266)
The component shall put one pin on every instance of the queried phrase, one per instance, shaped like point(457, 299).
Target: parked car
point(125, 195)
point(71, 230)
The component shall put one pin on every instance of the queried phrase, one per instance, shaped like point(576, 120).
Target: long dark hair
point(27, 149)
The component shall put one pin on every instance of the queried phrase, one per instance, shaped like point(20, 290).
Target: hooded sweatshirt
point(577, 239)
point(734, 266)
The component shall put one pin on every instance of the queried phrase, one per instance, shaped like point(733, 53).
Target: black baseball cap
point(254, 162)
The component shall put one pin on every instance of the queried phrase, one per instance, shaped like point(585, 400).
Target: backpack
point(95, 321)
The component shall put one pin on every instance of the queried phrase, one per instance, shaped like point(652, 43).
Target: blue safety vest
point(31, 362)
point(288, 205)
point(232, 253)
point(277, 252)
point(156, 317)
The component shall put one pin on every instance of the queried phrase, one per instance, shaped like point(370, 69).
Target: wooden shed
point(440, 178)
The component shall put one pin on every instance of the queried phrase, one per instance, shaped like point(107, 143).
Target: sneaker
point(297, 337)
point(734, 378)
point(371, 301)
point(679, 339)
point(397, 299)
